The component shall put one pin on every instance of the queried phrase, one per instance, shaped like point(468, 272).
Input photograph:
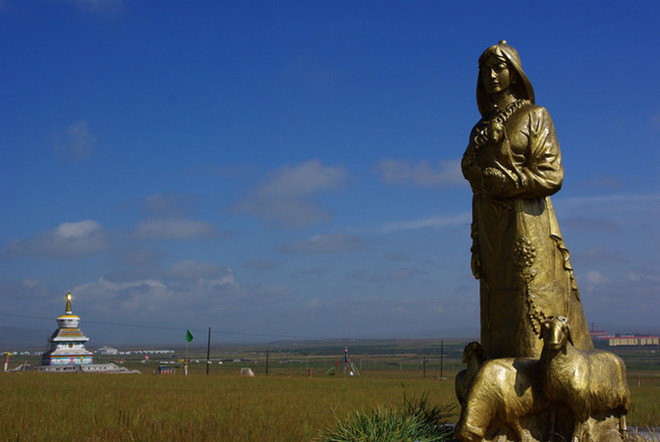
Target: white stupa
point(67, 343)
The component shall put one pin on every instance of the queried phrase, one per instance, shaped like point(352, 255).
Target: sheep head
point(555, 332)
point(473, 349)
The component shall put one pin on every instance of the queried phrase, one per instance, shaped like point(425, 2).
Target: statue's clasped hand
point(493, 180)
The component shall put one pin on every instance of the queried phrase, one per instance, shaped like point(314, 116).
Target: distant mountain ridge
point(16, 338)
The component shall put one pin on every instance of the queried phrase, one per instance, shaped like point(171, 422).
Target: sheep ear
point(568, 335)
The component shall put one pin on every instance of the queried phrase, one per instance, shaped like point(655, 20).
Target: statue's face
point(495, 75)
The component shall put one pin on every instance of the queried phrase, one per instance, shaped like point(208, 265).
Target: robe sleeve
point(542, 174)
point(471, 171)
point(539, 173)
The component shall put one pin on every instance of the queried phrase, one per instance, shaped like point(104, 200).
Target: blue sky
point(282, 169)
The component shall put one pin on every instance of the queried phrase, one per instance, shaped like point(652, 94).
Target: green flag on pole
point(189, 336)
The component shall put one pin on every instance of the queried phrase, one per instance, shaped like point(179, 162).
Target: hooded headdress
point(521, 89)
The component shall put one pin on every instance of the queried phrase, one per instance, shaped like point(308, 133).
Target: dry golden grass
point(40, 406)
point(222, 406)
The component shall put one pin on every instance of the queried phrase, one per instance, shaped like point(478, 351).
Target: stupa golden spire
point(68, 303)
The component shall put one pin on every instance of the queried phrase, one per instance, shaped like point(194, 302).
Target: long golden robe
point(514, 165)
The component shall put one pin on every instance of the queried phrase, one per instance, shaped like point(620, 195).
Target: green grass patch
point(415, 419)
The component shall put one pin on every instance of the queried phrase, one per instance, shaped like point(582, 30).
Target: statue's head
point(473, 349)
point(504, 59)
point(556, 332)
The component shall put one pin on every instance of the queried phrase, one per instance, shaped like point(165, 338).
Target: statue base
point(536, 427)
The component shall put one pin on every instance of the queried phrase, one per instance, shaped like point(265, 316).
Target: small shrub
point(413, 419)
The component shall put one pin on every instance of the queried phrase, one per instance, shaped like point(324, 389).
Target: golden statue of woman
point(513, 164)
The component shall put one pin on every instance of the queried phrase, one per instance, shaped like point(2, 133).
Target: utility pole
point(208, 352)
point(442, 353)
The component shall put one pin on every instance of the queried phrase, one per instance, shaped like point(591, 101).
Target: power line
point(173, 328)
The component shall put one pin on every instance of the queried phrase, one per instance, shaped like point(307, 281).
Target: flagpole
point(185, 361)
point(208, 352)
point(189, 337)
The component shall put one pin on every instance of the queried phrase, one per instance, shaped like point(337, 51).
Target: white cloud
point(174, 229)
point(328, 243)
point(77, 230)
point(286, 197)
point(155, 296)
point(188, 300)
point(594, 277)
point(617, 215)
point(79, 141)
point(68, 240)
point(609, 204)
point(120, 298)
point(447, 173)
point(194, 269)
point(629, 299)
point(436, 222)
point(637, 276)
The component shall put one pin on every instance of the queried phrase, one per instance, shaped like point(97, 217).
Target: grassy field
point(40, 406)
point(285, 405)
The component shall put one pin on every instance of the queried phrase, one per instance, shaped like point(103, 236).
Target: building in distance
point(603, 339)
point(619, 340)
point(67, 343)
point(105, 350)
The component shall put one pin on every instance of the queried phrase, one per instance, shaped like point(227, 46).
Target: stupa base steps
point(109, 368)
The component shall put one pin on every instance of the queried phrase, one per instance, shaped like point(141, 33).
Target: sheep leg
point(553, 417)
point(578, 428)
point(622, 423)
point(517, 430)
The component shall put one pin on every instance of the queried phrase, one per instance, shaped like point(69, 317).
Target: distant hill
point(628, 329)
point(33, 338)
point(449, 333)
